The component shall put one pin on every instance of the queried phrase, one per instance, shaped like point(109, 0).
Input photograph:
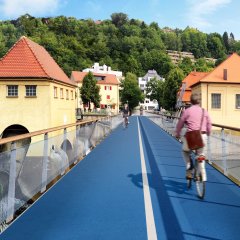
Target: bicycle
point(199, 173)
point(125, 121)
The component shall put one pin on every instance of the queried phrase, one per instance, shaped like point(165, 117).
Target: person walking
point(193, 118)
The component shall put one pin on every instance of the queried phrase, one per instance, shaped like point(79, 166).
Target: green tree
point(186, 65)
point(171, 87)
point(201, 65)
point(130, 92)
point(154, 90)
point(226, 41)
point(215, 45)
point(90, 91)
point(172, 41)
point(194, 41)
point(119, 19)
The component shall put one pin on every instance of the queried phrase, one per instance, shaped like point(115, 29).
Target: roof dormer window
point(100, 78)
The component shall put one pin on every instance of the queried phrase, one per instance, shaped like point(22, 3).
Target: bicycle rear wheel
point(200, 186)
point(189, 183)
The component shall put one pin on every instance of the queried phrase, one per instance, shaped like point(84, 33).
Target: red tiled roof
point(190, 80)
point(27, 59)
point(231, 64)
point(186, 96)
point(110, 79)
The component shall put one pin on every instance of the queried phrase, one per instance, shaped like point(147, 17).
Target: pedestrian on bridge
point(193, 118)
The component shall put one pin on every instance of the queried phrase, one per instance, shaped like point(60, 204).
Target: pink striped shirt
point(191, 117)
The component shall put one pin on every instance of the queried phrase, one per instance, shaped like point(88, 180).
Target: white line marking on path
point(151, 228)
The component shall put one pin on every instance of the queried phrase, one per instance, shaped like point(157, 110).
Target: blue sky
point(206, 15)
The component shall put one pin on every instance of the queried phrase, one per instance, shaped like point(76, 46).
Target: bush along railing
point(26, 171)
point(223, 146)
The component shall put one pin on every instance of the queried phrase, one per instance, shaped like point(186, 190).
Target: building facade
point(35, 93)
point(220, 92)
point(96, 68)
point(185, 91)
point(109, 90)
point(142, 82)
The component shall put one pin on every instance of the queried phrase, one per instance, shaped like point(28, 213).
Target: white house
point(142, 81)
point(96, 68)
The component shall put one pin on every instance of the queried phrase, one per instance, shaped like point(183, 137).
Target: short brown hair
point(195, 99)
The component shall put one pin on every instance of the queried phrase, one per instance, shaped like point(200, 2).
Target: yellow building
point(220, 92)
point(35, 93)
point(109, 90)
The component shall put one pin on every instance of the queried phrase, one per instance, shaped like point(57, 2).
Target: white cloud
point(15, 8)
point(200, 10)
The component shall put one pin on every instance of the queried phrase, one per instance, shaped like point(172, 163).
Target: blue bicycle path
point(102, 197)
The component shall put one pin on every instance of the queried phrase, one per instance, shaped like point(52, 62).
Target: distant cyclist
point(125, 112)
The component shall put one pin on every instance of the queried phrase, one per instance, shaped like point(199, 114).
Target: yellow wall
point(62, 109)
point(227, 114)
point(35, 113)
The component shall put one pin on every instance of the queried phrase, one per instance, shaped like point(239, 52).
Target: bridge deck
point(103, 196)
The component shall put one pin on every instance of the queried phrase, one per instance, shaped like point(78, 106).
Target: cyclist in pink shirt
point(191, 118)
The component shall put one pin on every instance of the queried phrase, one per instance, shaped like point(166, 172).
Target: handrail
point(40, 132)
point(213, 124)
point(222, 147)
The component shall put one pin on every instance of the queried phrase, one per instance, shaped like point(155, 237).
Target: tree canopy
point(130, 92)
point(90, 91)
point(129, 45)
point(154, 90)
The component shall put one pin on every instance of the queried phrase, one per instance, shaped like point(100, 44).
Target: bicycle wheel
point(126, 122)
point(189, 183)
point(200, 186)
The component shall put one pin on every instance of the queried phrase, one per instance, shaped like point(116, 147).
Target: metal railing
point(26, 171)
point(223, 146)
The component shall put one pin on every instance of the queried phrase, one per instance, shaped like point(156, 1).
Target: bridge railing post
point(209, 152)
point(76, 145)
point(44, 163)
point(63, 167)
point(12, 183)
point(224, 151)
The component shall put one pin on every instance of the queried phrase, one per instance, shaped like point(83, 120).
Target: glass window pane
point(12, 90)
point(31, 90)
point(238, 101)
point(216, 100)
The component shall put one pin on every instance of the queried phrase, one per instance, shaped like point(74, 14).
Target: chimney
point(225, 74)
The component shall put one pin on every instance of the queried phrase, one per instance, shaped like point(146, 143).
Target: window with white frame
point(31, 91)
point(55, 92)
point(108, 87)
point(67, 95)
point(61, 93)
point(237, 101)
point(12, 90)
point(216, 100)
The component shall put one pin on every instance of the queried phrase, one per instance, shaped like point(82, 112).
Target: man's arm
point(180, 125)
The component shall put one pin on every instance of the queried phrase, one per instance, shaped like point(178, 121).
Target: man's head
point(195, 99)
